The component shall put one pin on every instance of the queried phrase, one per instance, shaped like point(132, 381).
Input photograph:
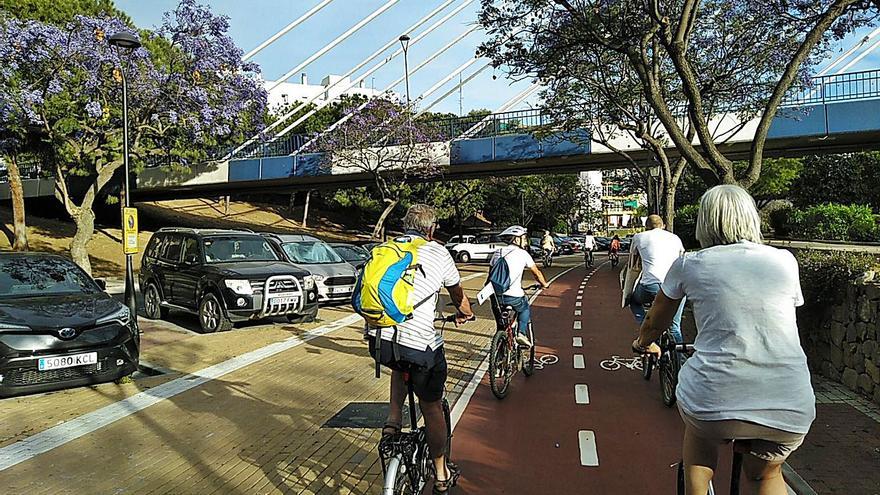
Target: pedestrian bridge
point(841, 113)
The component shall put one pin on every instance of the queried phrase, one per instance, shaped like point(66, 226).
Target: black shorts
point(427, 369)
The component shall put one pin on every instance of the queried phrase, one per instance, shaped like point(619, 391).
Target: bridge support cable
point(849, 52)
point(314, 10)
point(859, 58)
point(455, 88)
point(392, 42)
point(384, 92)
point(516, 100)
point(339, 39)
point(377, 66)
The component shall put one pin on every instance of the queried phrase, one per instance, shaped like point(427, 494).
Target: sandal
point(442, 487)
point(391, 428)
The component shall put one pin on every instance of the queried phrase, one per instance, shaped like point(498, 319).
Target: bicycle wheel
point(669, 366)
point(647, 365)
point(499, 365)
point(397, 479)
point(529, 361)
point(679, 478)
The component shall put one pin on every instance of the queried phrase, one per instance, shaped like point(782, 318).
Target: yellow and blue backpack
point(384, 290)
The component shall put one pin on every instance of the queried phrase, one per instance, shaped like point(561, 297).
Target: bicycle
point(407, 466)
point(614, 257)
point(547, 260)
point(506, 357)
point(588, 258)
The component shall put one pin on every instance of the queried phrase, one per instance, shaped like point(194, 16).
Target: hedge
point(825, 275)
point(827, 222)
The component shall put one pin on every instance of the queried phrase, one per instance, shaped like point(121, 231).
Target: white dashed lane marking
point(581, 394)
point(577, 342)
point(577, 325)
point(577, 304)
point(579, 361)
point(587, 444)
point(577, 312)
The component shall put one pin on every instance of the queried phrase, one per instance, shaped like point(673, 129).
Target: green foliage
point(847, 179)
point(536, 201)
point(59, 12)
point(686, 225)
point(825, 275)
point(777, 177)
point(828, 221)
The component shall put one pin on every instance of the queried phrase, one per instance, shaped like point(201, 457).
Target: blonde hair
point(727, 215)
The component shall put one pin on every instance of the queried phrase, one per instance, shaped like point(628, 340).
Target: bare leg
point(700, 462)
point(436, 426)
point(398, 396)
point(763, 477)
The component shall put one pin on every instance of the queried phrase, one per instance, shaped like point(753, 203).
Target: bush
point(825, 275)
point(829, 221)
point(686, 225)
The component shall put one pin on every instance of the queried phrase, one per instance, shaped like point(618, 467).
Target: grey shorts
point(763, 442)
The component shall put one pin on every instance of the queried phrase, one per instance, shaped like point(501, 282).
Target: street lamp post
point(128, 42)
point(404, 43)
point(655, 175)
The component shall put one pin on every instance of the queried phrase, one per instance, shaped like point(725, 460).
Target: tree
point(380, 139)
point(188, 92)
point(535, 201)
point(852, 178)
point(455, 200)
point(692, 60)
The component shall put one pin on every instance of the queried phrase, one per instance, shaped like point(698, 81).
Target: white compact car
point(474, 248)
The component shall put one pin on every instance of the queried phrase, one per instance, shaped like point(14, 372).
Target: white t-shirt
point(439, 271)
point(748, 364)
point(589, 242)
point(658, 248)
point(518, 260)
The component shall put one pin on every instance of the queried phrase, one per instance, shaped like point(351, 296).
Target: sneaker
point(523, 339)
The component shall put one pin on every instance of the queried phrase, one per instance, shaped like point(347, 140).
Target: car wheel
point(464, 257)
point(212, 317)
point(153, 303)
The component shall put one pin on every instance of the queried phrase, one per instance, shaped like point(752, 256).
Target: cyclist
point(547, 243)
point(420, 346)
point(589, 246)
point(518, 260)
point(614, 248)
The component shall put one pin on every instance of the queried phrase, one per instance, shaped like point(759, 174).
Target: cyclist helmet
point(514, 231)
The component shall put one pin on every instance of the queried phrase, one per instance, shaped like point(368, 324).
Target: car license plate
point(285, 300)
point(340, 290)
point(54, 363)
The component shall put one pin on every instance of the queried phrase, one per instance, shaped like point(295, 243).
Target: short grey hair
point(727, 215)
point(420, 218)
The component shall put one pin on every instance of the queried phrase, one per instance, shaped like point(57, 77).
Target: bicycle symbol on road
point(616, 362)
point(545, 360)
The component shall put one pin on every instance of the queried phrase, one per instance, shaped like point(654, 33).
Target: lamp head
point(124, 40)
point(404, 41)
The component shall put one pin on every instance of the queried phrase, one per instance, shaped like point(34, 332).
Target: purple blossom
point(93, 108)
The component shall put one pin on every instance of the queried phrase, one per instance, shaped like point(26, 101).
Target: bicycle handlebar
point(672, 346)
point(532, 287)
point(452, 318)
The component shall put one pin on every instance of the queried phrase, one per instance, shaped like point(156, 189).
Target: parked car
point(334, 277)
point(603, 243)
point(224, 277)
point(354, 255)
point(458, 239)
point(562, 247)
point(480, 248)
point(58, 328)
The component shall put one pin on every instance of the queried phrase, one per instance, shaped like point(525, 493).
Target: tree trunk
point(669, 208)
point(18, 218)
point(306, 209)
point(84, 219)
point(381, 223)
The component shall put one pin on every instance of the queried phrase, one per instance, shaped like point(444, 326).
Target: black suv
point(224, 276)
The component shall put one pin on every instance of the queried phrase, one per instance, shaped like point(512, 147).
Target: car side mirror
point(191, 259)
point(102, 284)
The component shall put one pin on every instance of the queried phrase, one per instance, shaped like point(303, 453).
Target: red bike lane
point(534, 440)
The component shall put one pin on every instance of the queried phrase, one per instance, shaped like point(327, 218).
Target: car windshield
point(227, 249)
point(351, 253)
point(34, 276)
point(313, 252)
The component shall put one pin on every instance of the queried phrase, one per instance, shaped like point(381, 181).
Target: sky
point(254, 21)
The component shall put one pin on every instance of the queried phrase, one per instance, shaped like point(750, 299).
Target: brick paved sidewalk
point(841, 454)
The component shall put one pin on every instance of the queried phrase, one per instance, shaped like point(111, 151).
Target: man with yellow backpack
point(397, 294)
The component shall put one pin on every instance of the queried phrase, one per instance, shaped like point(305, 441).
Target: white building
point(289, 93)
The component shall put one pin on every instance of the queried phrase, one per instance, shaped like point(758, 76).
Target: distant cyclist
point(589, 246)
point(614, 249)
point(518, 260)
point(547, 243)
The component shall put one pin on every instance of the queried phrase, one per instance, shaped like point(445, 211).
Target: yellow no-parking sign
point(130, 230)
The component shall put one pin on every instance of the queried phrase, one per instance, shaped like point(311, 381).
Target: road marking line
point(581, 394)
point(577, 304)
point(587, 445)
point(577, 325)
point(577, 342)
point(464, 399)
point(579, 362)
point(59, 435)
point(577, 312)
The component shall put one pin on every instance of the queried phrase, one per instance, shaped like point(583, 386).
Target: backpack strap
point(377, 347)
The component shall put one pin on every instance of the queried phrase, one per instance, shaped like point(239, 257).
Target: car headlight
point(9, 327)
point(240, 286)
point(309, 282)
point(121, 316)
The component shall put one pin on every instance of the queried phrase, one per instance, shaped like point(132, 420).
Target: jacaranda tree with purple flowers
point(188, 92)
point(380, 139)
point(691, 59)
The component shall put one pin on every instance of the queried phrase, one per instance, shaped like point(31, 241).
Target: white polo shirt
point(658, 248)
